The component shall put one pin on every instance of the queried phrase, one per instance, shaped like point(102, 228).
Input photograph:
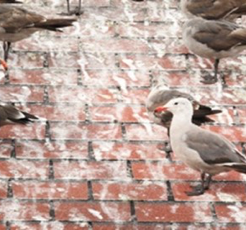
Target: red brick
point(59, 112)
point(242, 115)
point(126, 29)
point(93, 211)
point(146, 132)
point(102, 61)
point(3, 190)
point(50, 190)
point(91, 3)
point(110, 226)
point(215, 95)
point(135, 96)
point(17, 210)
point(228, 213)
point(122, 79)
point(62, 60)
point(23, 169)
point(171, 46)
point(120, 113)
point(59, 150)
point(43, 77)
point(21, 94)
point(27, 60)
point(117, 14)
point(163, 226)
point(99, 28)
point(129, 191)
point(49, 226)
point(224, 192)
point(90, 170)
point(178, 78)
point(150, 62)
point(200, 63)
point(233, 133)
point(2, 227)
point(226, 117)
point(235, 80)
point(79, 94)
point(158, 212)
point(114, 45)
point(163, 171)
point(5, 149)
point(229, 176)
point(128, 151)
point(31, 131)
point(53, 43)
point(84, 132)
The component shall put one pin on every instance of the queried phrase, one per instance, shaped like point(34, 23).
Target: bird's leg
point(6, 48)
point(212, 79)
point(207, 182)
point(68, 6)
point(79, 10)
point(200, 189)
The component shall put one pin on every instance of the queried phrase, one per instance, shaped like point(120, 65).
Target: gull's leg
point(209, 79)
point(6, 48)
point(68, 6)
point(200, 189)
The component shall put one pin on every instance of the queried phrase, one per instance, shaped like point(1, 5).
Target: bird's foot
point(76, 12)
point(167, 148)
point(197, 190)
point(209, 79)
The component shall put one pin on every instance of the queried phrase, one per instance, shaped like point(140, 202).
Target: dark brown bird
point(9, 1)
point(9, 114)
point(214, 9)
point(160, 94)
point(17, 23)
point(214, 40)
point(77, 11)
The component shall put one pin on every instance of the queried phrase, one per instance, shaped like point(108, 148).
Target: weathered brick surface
point(95, 161)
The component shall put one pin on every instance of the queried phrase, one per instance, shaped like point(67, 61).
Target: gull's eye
point(176, 103)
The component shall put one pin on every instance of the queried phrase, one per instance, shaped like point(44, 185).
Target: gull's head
point(176, 106)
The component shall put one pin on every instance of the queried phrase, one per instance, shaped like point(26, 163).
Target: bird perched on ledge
point(214, 9)
point(160, 94)
point(204, 151)
point(17, 24)
point(214, 40)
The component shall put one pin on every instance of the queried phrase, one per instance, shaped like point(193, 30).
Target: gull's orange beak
point(4, 64)
point(160, 109)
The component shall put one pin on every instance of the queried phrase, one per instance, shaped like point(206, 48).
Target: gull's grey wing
point(9, 113)
point(13, 19)
point(216, 9)
point(213, 148)
point(219, 35)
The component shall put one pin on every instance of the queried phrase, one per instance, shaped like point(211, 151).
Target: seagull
point(9, 114)
point(214, 9)
point(215, 40)
point(17, 23)
point(160, 94)
point(204, 151)
point(77, 11)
